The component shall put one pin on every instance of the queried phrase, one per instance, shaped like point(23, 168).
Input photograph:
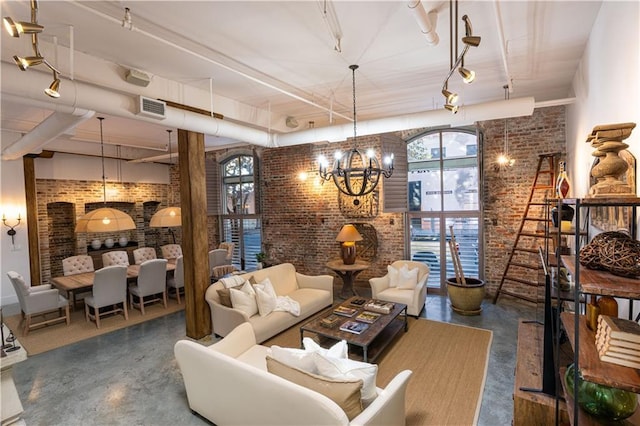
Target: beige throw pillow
point(345, 393)
point(347, 369)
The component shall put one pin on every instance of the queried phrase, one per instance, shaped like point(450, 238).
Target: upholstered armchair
point(171, 251)
point(229, 248)
point(217, 257)
point(143, 254)
point(109, 290)
point(398, 290)
point(77, 264)
point(152, 281)
point(177, 282)
point(112, 258)
point(37, 301)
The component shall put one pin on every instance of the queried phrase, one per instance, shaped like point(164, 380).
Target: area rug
point(54, 336)
point(449, 364)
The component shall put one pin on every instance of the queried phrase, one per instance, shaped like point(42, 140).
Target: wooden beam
point(32, 219)
point(195, 246)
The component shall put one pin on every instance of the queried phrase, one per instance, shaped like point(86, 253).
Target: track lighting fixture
point(15, 28)
point(469, 40)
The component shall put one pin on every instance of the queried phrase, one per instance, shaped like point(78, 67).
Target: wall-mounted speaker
point(138, 78)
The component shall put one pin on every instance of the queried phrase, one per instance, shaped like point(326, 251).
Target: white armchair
point(38, 301)
point(414, 298)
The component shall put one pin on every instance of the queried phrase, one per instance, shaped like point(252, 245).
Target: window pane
point(425, 246)
point(461, 187)
point(246, 165)
point(232, 167)
point(248, 199)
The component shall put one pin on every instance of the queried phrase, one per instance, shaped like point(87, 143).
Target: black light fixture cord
point(104, 178)
point(353, 79)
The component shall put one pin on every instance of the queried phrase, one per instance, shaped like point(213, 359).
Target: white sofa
point(228, 383)
point(312, 292)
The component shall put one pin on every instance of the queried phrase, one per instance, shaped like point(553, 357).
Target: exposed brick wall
point(506, 192)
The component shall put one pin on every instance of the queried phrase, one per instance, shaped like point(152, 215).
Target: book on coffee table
point(354, 327)
point(345, 311)
point(331, 321)
point(368, 317)
point(379, 306)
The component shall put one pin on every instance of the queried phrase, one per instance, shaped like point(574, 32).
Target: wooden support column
point(195, 246)
point(32, 219)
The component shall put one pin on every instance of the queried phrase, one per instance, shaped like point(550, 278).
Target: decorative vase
point(108, 243)
point(608, 306)
point(600, 400)
point(466, 299)
point(562, 182)
point(593, 310)
point(566, 214)
point(123, 241)
point(96, 244)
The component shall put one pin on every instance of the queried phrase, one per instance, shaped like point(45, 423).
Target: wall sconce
point(12, 231)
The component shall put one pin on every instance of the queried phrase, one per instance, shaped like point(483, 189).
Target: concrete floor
point(130, 376)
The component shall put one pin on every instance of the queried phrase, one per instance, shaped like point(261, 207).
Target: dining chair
point(171, 251)
point(109, 290)
point(143, 254)
point(77, 265)
point(152, 281)
point(177, 281)
point(38, 301)
point(117, 257)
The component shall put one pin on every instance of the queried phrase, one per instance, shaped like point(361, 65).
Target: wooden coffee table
point(372, 341)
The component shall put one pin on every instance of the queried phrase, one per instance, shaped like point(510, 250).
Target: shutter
point(212, 175)
point(395, 188)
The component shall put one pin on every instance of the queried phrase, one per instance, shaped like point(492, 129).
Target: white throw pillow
point(347, 369)
point(407, 279)
point(244, 299)
point(297, 358)
point(232, 281)
point(393, 276)
point(266, 302)
point(267, 287)
point(339, 350)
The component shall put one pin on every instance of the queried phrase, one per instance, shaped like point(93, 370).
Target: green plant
point(260, 257)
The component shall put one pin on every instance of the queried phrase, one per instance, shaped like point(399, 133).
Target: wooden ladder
point(524, 263)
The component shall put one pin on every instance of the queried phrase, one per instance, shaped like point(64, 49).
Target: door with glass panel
point(443, 180)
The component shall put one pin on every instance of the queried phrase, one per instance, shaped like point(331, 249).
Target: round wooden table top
point(338, 265)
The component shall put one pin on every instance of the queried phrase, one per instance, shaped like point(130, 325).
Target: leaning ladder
point(524, 257)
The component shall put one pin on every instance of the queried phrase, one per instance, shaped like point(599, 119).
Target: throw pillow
point(345, 393)
point(232, 281)
point(296, 358)
point(407, 279)
point(347, 369)
point(266, 302)
point(244, 299)
point(225, 296)
point(339, 350)
point(393, 276)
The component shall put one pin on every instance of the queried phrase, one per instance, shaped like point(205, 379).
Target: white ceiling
point(277, 58)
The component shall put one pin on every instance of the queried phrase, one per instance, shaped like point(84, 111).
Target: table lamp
point(348, 236)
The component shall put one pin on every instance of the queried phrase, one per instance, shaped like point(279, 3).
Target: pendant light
point(104, 219)
point(359, 173)
point(169, 216)
point(504, 160)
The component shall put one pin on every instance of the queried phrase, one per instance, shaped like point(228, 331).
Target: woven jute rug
point(53, 336)
point(449, 364)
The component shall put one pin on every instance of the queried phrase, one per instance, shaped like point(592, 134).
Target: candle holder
point(12, 231)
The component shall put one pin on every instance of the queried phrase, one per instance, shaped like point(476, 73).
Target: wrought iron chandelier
point(355, 173)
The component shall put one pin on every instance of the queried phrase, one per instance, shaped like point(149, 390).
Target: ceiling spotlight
point(452, 108)
point(451, 97)
point(29, 61)
point(473, 41)
point(52, 90)
point(467, 75)
point(17, 28)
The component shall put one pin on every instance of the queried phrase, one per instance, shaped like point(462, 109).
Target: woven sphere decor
point(615, 252)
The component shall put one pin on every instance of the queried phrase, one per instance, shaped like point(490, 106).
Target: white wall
point(607, 91)
point(61, 166)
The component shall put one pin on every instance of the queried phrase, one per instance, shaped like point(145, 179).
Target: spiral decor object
point(614, 252)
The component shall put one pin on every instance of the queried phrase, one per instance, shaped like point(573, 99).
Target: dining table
point(83, 282)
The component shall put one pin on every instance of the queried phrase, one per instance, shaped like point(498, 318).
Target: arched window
point(240, 222)
point(443, 191)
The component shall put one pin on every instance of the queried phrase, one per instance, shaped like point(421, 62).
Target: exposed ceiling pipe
point(426, 20)
point(503, 44)
point(555, 102)
point(212, 61)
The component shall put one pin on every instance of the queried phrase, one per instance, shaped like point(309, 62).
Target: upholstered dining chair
point(38, 301)
point(117, 257)
point(412, 292)
point(171, 251)
point(143, 254)
point(74, 265)
point(109, 290)
point(177, 281)
point(229, 248)
point(217, 257)
point(152, 282)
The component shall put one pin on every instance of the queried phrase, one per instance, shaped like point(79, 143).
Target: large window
point(443, 182)
point(240, 222)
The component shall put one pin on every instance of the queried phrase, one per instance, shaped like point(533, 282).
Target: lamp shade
point(105, 219)
point(167, 217)
point(348, 233)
